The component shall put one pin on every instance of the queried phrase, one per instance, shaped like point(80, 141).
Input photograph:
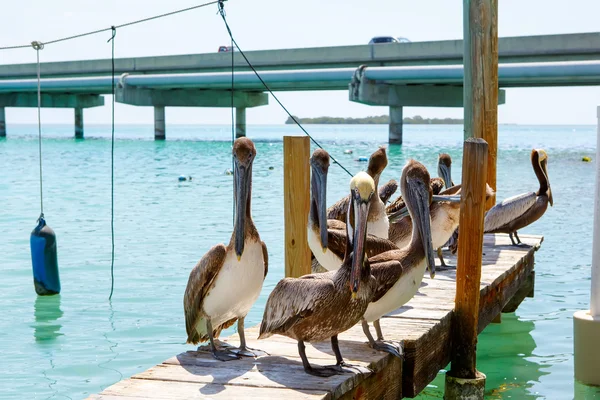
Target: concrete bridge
point(428, 74)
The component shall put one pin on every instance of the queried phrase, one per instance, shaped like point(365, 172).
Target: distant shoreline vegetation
point(378, 119)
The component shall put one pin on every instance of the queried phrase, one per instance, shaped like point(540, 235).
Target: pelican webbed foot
point(224, 355)
point(217, 352)
point(244, 350)
point(381, 344)
point(443, 266)
point(393, 348)
point(518, 242)
point(248, 352)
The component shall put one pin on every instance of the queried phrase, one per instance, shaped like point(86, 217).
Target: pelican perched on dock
point(445, 214)
point(327, 238)
point(399, 273)
point(378, 223)
point(522, 210)
point(318, 307)
point(226, 282)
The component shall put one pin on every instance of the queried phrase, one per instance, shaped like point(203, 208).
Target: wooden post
point(480, 95)
point(470, 247)
point(296, 202)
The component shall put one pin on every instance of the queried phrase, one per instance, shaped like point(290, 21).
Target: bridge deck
point(423, 324)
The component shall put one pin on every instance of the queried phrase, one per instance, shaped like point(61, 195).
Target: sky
point(261, 24)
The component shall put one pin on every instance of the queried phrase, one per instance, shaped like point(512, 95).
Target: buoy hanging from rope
point(44, 258)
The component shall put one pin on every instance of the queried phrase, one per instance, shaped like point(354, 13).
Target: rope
point(112, 168)
point(221, 9)
point(37, 46)
point(113, 27)
point(222, 13)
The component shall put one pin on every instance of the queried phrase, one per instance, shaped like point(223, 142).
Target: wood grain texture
point(480, 90)
point(296, 202)
point(470, 247)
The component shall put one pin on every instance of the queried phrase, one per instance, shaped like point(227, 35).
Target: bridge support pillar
point(78, 123)
point(395, 131)
point(240, 122)
point(159, 123)
point(2, 122)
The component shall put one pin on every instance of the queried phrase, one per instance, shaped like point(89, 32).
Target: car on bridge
point(225, 49)
point(388, 39)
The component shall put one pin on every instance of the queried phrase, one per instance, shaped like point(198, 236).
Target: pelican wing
point(386, 191)
point(386, 275)
point(396, 205)
point(508, 210)
point(374, 245)
point(339, 209)
point(199, 284)
point(266, 258)
point(292, 300)
point(336, 224)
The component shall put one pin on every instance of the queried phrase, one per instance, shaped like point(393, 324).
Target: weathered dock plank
point(423, 324)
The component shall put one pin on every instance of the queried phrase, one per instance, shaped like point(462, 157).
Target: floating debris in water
point(271, 167)
point(363, 159)
point(348, 151)
point(228, 171)
point(183, 178)
point(586, 159)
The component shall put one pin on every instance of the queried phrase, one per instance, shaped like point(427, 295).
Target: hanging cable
point(233, 122)
point(113, 27)
point(112, 168)
point(37, 46)
point(221, 6)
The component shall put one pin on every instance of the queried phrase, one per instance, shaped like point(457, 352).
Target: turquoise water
point(77, 343)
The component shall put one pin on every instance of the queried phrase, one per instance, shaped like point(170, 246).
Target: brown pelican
point(444, 169)
point(519, 211)
point(436, 184)
point(228, 279)
point(318, 307)
point(378, 223)
point(445, 213)
point(399, 272)
point(327, 238)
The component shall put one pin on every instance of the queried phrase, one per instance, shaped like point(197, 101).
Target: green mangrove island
point(378, 119)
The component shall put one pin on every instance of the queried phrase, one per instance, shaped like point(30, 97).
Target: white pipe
point(595, 291)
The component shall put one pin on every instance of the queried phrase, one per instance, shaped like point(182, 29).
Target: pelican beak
point(444, 173)
point(398, 215)
point(420, 195)
point(545, 169)
point(242, 182)
point(448, 198)
point(361, 211)
point(320, 194)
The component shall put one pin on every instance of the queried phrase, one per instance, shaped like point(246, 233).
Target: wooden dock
point(423, 324)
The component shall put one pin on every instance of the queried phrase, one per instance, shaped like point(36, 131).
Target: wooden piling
point(296, 200)
point(470, 247)
point(480, 33)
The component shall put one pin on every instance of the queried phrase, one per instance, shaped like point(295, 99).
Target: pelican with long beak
point(378, 223)
point(445, 215)
point(444, 169)
point(522, 210)
point(318, 307)
point(327, 237)
point(399, 273)
point(226, 282)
